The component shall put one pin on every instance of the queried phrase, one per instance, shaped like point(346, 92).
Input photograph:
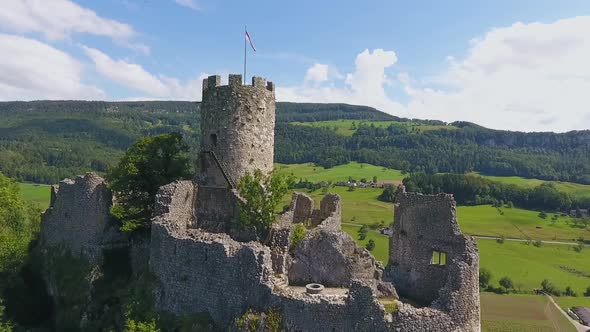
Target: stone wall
point(237, 123)
point(78, 219)
point(424, 224)
point(237, 136)
point(198, 271)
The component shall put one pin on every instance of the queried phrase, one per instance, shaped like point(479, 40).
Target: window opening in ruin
point(438, 258)
point(214, 139)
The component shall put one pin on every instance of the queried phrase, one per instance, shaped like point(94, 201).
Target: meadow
point(528, 265)
point(574, 189)
point(348, 127)
point(313, 173)
point(36, 193)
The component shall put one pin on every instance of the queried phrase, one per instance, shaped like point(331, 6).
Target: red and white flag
point(250, 40)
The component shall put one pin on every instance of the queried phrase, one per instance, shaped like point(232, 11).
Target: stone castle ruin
point(203, 263)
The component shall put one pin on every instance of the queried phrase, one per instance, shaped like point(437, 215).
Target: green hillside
point(347, 127)
point(45, 141)
point(355, 170)
point(574, 189)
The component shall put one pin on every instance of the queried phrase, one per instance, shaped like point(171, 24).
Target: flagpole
point(245, 31)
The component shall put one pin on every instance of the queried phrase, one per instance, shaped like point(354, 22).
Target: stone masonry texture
point(201, 264)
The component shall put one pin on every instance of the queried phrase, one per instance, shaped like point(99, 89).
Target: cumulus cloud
point(364, 86)
point(317, 73)
point(34, 70)
point(59, 19)
point(135, 77)
point(522, 77)
point(192, 4)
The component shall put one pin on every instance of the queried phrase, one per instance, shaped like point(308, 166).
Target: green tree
point(133, 326)
point(262, 194)
point(485, 276)
point(587, 292)
point(506, 282)
point(370, 245)
point(150, 163)
point(570, 292)
point(4, 325)
point(363, 232)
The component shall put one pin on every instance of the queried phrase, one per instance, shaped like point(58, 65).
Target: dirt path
point(552, 306)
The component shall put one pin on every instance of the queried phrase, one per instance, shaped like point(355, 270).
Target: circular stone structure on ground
point(314, 288)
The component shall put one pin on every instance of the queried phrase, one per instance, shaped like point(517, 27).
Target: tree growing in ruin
point(262, 194)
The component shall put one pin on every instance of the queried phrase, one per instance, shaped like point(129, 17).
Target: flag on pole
point(250, 41)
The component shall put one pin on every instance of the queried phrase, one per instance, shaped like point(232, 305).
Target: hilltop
point(44, 141)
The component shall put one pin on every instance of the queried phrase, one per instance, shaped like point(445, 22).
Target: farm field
point(528, 265)
point(517, 223)
point(355, 170)
point(526, 313)
point(36, 193)
point(348, 127)
point(574, 189)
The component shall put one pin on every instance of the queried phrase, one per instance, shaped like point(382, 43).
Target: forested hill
point(44, 141)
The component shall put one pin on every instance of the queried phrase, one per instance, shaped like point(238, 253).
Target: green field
point(348, 127)
point(36, 193)
point(517, 223)
point(574, 189)
point(355, 170)
point(526, 313)
point(566, 302)
point(528, 265)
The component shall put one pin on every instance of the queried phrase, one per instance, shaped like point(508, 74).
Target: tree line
point(46, 141)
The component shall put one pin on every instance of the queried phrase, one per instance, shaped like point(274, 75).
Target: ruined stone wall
point(427, 223)
point(78, 219)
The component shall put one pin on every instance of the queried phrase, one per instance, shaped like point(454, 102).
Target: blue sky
point(504, 64)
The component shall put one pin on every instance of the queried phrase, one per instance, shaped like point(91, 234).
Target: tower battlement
point(235, 80)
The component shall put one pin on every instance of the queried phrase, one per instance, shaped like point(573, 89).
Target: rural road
point(487, 237)
point(578, 326)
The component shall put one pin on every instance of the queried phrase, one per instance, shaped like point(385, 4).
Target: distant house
point(386, 231)
point(582, 314)
point(583, 213)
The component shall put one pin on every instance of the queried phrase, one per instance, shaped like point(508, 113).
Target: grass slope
point(348, 127)
point(574, 189)
point(526, 313)
point(528, 265)
point(36, 193)
point(517, 223)
point(355, 170)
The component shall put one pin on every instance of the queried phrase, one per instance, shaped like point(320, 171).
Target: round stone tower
point(237, 136)
point(237, 128)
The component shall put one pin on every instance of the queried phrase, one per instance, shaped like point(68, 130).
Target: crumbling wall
point(424, 224)
point(198, 271)
point(78, 219)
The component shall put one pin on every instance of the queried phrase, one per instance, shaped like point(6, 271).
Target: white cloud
point(192, 4)
point(317, 73)
point(135, 77)
point(365, 86)
point(34, 70)
point(529, 77)
point(522, 77)
point(59, 19)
